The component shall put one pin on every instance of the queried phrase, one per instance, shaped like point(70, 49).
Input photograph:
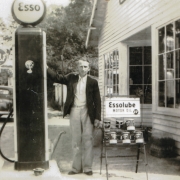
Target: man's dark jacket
point(93, 99)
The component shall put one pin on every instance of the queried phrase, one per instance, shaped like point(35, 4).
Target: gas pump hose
point(4, 124)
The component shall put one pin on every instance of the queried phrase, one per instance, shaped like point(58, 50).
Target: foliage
point(66, 30)
point(7, 31)
point(163, 142)
point(163, 147)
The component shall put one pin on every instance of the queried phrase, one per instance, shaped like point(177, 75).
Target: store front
point(138, 45)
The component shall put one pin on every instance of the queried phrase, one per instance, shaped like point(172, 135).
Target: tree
point(66, 29)
point(6, 34)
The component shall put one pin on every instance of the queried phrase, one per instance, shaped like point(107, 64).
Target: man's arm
point(55, 77)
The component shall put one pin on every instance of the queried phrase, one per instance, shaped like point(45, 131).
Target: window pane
point(170, 66)
point(169, 37)
point(161, 67)
point(106, 77)
point(111, 72)
point(136, 90)
point(177, 38)
point(111, 59)
point(106, 58)
point(117, 55)
point(162, 94)
point(135, 56)
point(170, 93)
point(115, 77)
point(147, 75)
point(140, 73)
point(4, 92)
point(109, 77)
point(147, 94)
point(114, 55)
point(115, 89)
point(147, 55)
point(170, 75)
point(109, 90)
point(177, 93)
point(161, 40)
point(177, 64)
point(170, 63)
point(136, 74)
point(115, 62)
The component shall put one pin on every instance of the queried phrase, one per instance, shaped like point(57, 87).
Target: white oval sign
point(28, 11)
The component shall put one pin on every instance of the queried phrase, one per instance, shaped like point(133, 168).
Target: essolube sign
point(28, 12)
point(122, 107)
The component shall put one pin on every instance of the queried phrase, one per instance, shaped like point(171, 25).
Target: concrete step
point(8, 173)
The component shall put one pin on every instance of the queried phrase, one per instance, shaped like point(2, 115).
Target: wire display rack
point(119, 135)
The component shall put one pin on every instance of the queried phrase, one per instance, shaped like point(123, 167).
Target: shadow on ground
point(63, 154)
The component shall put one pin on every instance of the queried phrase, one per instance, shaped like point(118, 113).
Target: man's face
point(83, 68)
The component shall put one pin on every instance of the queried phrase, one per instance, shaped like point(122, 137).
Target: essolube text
point(121, 105)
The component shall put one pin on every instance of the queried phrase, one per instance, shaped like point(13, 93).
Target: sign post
point(30, 96)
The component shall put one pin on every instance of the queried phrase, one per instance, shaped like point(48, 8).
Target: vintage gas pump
point(30, 96)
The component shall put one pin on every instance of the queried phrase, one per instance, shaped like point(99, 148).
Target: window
point(140, 76)
point(111, 62)
point(4, 92)
point(169, 65)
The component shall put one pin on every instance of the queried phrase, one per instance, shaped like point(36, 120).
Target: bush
point(162, 147)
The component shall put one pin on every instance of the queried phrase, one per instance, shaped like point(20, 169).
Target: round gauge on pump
point(28, 12)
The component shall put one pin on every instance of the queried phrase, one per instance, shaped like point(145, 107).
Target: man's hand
point(97, 123)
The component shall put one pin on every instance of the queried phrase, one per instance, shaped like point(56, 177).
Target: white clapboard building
point(139, 54)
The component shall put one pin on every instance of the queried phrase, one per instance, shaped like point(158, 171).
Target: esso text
point(28, 7)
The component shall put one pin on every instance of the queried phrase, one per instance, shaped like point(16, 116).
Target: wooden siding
point(123, 21)
point(167, 126)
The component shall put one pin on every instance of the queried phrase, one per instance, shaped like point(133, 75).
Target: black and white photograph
point(90, 89)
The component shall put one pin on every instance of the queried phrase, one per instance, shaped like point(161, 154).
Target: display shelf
point(116, 135)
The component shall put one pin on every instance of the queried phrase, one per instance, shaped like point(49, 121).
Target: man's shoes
point(73, 173)
point(89, 173)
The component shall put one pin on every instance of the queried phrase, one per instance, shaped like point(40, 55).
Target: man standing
point(83, 103)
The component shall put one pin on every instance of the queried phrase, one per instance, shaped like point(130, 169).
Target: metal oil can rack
point(119, 136)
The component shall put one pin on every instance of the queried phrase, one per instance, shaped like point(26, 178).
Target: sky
point(5, 6)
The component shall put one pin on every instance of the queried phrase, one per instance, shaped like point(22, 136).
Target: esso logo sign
point(28, 12)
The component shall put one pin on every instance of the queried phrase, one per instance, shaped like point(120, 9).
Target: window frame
point(158, 54)
point(142, 65)
point(116, 69)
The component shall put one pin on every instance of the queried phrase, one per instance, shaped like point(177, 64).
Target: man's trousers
point(82, 139)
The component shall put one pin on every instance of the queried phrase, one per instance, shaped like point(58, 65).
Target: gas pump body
point(30, 99)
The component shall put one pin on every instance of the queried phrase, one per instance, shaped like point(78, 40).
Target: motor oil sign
point(122, 107)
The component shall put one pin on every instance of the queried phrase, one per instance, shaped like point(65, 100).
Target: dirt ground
point(63, 153)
